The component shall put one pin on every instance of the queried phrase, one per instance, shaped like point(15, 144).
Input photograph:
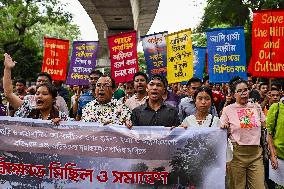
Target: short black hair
point(21, 81)
point(45, 75)
point(98, 72)
point(161, 78)
point(276, 85)
point(193, 80)
point(140, 74)
point(275, 89)
point(263, 83)
point(113, 85)
point(234, 82)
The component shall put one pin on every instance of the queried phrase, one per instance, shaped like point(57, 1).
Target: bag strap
point(275, 122)
point(211, 121)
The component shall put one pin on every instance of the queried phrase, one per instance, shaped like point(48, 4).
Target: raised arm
point(14, 100)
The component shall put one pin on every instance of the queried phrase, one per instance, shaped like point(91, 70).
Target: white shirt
point(190, 121)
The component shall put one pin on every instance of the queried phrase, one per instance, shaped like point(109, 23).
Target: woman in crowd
point(45, 105)
point(202, 117)
point(244, 121)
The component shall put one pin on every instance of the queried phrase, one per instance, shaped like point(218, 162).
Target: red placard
point(267, 44)
point(55, 58)
point(123, 56)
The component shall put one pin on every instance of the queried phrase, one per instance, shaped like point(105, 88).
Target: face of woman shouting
point(45, 97)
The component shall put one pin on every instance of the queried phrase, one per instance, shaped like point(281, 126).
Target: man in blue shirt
point(87, 96)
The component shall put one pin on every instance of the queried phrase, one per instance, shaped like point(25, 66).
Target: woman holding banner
point(244, 121)
point(45, 105)
point(203, 101)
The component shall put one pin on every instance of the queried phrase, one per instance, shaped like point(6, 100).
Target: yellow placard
point(179, 56)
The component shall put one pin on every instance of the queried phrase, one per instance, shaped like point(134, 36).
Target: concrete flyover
point(114, 16)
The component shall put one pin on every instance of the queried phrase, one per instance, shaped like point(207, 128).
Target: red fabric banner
point(267, 44)
point(123, 56)
point(55, 58)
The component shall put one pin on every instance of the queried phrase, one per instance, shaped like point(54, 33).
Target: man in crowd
point(263, 89)
point(20, 92)
point(82, 99)
point(155, 111)
point(187, 106)
point(254, 95)
point(171, 97)
point(61, 91)
point(104, 109)
point(129, 91)
point(42, 77)
point(140, 83)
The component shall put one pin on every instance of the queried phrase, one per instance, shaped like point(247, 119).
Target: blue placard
point(199, 58)
point(155, 52)
point(226, 54)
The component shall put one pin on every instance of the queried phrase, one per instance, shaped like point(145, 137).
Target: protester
point(61, 91)
point(203, 101)
point(45, 97)
point(104, 109)
point(31, 90)
point(119, 92)
point(244, 121)
point(273, 123)
point(254, 95)
point(129, 91)
point(140, 83)
point(86, 96)
point(275, 126)
point(41, 78)
point(155, 112)
point(187, 106)
point(263, 89)
point(20, 92)
point(171, 97)
point(2, 107)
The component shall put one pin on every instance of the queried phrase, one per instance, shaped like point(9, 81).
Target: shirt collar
point(146, 105)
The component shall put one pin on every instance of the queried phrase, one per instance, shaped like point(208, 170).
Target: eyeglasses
point(104, 86)
point(241, 91)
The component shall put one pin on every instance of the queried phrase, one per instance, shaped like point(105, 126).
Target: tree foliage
point(23, 25)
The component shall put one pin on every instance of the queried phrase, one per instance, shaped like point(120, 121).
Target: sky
point(172, 16)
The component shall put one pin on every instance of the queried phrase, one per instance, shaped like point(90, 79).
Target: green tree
point(142, 62)
point(20, 20)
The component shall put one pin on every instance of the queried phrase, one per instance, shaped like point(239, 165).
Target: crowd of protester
point(242, 107)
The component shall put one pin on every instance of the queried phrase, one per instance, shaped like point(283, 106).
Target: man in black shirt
point(155, 112)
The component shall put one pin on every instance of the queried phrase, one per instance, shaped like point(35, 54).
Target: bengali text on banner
point(35, 153)
point(123, 56)
point(155, 52)
point(179, 56)
point(83, 61)
point(226, 54)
